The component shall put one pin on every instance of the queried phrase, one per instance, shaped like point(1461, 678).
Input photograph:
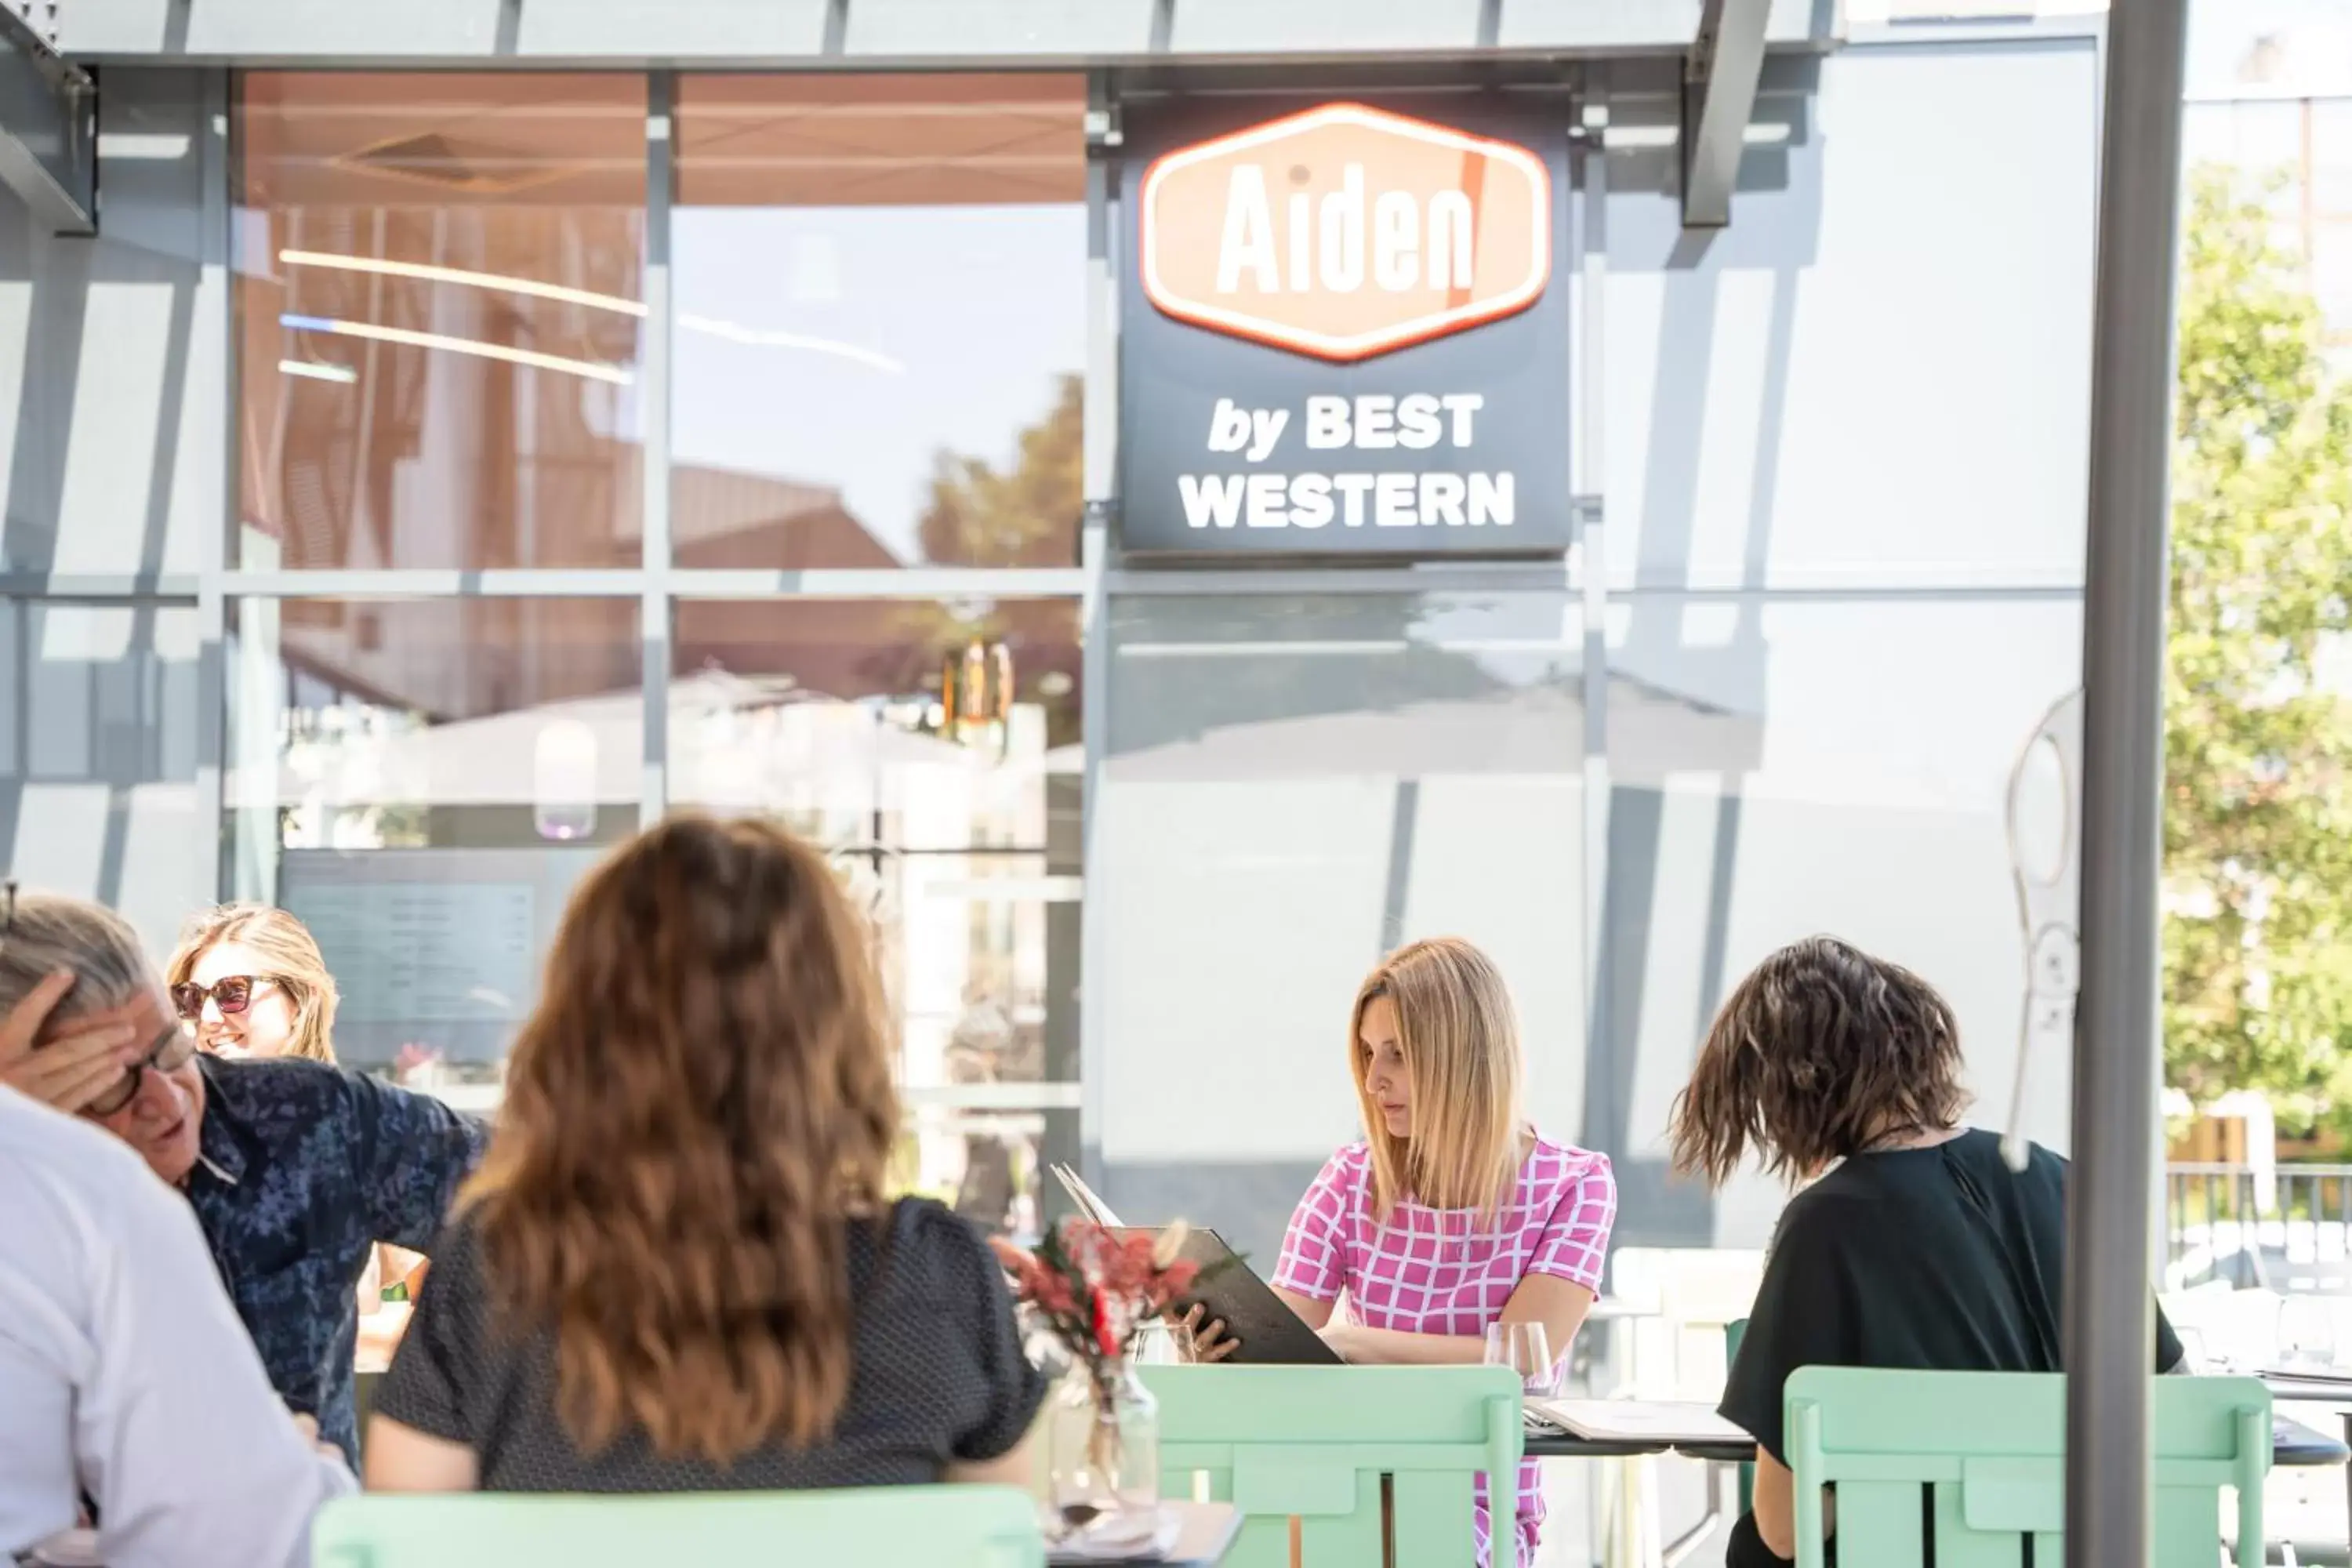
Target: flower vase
point(1104, 1443)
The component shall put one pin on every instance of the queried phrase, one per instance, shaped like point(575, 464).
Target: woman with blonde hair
point(251, 981)
point(1453, 1214)
point(676, 1270)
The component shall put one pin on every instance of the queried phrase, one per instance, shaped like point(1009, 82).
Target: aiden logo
point(1345, 232)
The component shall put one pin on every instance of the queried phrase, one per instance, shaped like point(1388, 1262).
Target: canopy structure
point(48, 128)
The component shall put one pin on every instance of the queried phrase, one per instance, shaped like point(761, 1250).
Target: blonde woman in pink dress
point(1454, 1214)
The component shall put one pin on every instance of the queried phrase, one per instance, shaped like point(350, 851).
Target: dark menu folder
point(1270, 1334)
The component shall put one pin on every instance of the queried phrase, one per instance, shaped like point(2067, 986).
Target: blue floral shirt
point(303, 1169)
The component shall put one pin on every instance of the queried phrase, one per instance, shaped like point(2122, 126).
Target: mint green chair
point(1316, 1448)
point(879, 1527)
point(1991, 1448)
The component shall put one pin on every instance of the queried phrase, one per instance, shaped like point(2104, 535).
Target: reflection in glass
point(440, 301)
point(1291, 787)
point(934, 749)
point(422, 781)
point(881, 320)
point(906, 725)
point(985, 1164)
point(97, 755)
point(1386, 684)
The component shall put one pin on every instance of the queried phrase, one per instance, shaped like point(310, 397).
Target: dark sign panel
point(1340, 332)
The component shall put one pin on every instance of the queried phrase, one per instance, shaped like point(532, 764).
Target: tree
point(1029, 517)
point(2258, 742)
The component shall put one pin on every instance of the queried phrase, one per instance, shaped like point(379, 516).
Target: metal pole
point(2109, 1331)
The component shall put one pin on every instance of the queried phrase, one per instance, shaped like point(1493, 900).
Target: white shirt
point(125, 1373)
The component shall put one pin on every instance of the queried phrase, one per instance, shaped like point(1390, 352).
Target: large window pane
point(98, 758)
point(440, 298)
point(113, 383)
point(1785, 767)
point(1291, 787)
point(880, 288)
point(988, 1166)
point(423, 782)
point(934, 749)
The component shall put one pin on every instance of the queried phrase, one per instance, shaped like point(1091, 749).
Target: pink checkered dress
point(1441, 1271)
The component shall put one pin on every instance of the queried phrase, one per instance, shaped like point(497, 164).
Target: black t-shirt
point(1939, 1260)
point(937, 1376)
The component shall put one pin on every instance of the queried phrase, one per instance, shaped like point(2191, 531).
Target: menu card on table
point(1672, 1422)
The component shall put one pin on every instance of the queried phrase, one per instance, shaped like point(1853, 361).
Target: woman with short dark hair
point(1913, 1243)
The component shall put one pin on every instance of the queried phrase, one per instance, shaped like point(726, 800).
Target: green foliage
point(978, 516)
point(2258, 750)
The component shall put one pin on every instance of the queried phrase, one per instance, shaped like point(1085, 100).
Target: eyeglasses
point(232, 993)
point(171, 1051)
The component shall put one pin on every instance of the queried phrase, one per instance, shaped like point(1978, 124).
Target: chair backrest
point(1978, 1458)
point(1732, 1333)
point(1313, 1447)
point(878, 1527)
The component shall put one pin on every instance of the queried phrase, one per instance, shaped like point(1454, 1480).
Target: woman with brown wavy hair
point(1913, 1245)
point(676, 1270)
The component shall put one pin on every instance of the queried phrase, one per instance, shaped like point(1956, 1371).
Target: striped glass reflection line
point(531, 288)
point(590, 369)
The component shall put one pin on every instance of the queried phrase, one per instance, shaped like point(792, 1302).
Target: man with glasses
point(295, 1169)
point(127, 1389)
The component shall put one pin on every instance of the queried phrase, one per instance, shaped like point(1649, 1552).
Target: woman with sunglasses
point(296, 1168)
point(251, 981)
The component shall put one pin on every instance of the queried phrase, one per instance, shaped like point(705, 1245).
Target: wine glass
point(1526, 1349)
point(1161, 1342)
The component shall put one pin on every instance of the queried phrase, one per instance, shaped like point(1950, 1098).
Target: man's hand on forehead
point(64, 1059)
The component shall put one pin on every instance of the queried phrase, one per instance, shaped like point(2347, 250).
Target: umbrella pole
point(2108, 1330)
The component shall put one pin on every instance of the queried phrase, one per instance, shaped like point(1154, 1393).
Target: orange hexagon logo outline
point(1345, 347)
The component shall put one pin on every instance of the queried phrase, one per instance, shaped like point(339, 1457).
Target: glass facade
point(427, 479)
point(880, 324)
point(99, 757)
point(441, 314)
point(450, 328)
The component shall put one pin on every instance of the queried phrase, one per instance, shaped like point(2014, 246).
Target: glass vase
point(1104, 1442)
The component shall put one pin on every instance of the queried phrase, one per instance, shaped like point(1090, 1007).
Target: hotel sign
point(1341, 336)
point(1308, 257)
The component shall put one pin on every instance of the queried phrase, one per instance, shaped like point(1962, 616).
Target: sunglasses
point(170, 1052)
point(232, 993)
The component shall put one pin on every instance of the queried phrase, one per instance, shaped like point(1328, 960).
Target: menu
point(410, 952)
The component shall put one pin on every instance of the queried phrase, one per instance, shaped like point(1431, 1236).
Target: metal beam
point(2109, 1336)
point(1719, 77)
point(895, 34)
point(48, 129)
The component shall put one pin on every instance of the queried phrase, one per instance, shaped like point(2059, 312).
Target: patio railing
point(2290, 1231)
